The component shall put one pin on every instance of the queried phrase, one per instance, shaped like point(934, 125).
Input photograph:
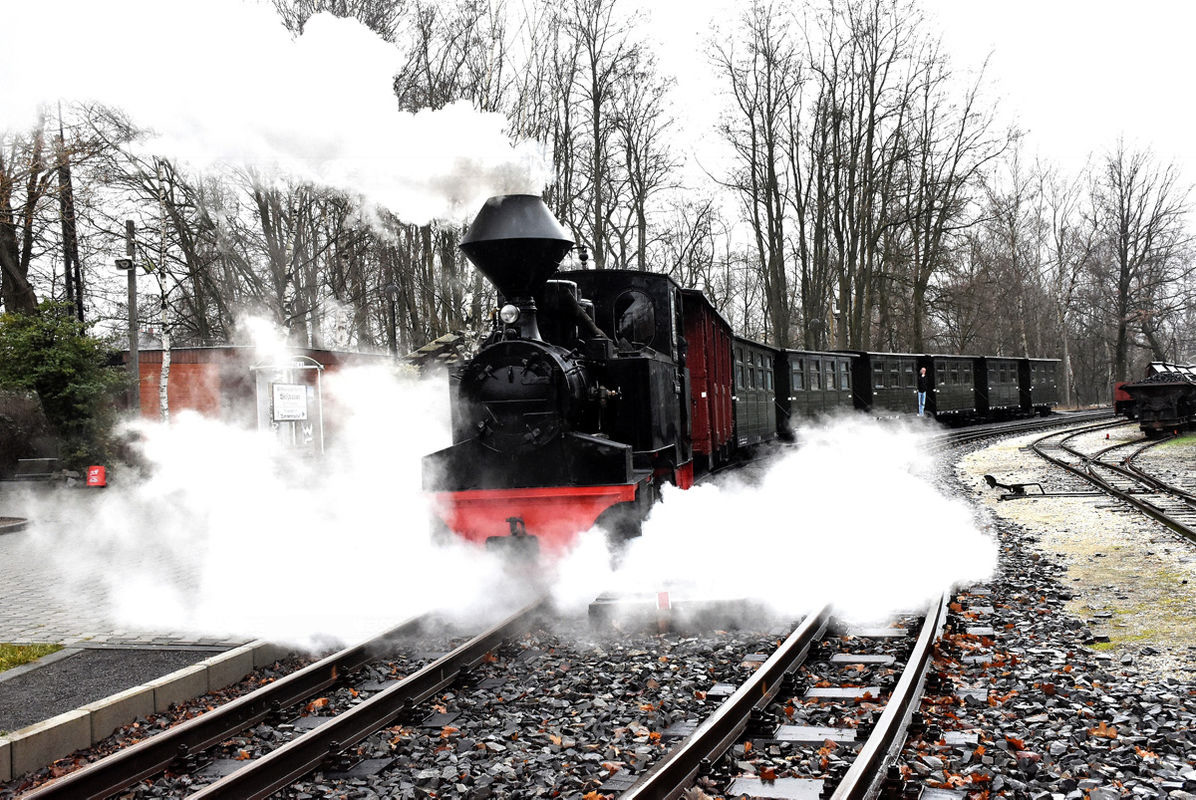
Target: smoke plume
point(222, 82)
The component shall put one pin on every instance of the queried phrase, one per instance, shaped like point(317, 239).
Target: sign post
point(290, 403)
point(134, 365)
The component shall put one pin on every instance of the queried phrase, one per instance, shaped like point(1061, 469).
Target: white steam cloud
point(223, 82)
point(852, 517)
point(232, 534)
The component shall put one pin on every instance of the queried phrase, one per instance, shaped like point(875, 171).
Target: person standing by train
point(923, 387)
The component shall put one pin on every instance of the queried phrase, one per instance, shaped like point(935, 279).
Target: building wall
point(217, 381)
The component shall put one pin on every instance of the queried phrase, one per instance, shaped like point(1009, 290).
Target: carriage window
point(894, 376)
point(635, 319)
point(738, 375)
point(878, 377)
point(954, 374)
point(768, 379)
point(815, 375)
point(799, 376)
point(907, 376)
point(844, 377)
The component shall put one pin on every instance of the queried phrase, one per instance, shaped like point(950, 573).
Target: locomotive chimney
point(517, 243)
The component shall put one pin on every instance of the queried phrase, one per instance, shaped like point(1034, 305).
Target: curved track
point(1170, 505)
point(745, 716)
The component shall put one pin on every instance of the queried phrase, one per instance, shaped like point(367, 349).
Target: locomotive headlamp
point(508, 313)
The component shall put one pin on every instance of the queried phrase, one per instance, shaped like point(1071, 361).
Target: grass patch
point(1184, 440)
point(14, 655)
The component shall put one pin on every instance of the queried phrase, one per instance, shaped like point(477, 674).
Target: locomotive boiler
point(570, 414)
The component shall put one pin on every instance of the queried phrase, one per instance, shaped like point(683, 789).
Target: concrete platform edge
point(44, 742)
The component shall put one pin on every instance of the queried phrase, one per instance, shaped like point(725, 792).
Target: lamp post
point(392, 295)
point(134, 359)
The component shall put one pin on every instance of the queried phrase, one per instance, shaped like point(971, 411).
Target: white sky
point(1076, 74)
point(1073, 74)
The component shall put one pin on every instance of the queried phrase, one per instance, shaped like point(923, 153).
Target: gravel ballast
point(1082, 691)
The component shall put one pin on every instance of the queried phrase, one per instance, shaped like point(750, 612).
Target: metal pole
point(392, 294)
point(134, 355)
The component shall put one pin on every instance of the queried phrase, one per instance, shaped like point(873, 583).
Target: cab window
point(635, 319)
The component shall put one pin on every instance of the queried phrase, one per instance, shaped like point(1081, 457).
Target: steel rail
point(868, 768)
point(669, 778)
point(983, 432)
point(1143, 506)
point(278, 769)
point(1151, 480)
point(152, 755)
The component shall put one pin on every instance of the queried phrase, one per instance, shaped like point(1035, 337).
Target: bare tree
point(21, 167)
point(1140, 208)
point(764, 76)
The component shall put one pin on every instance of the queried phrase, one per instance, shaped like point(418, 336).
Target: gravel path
point(82, 678)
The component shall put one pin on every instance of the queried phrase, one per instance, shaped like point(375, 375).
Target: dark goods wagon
point(812, 383)
point(953, 396)
point(997, 391)
point(1165, 402)
point(886, 383)
point(1039, 381)
point(755, 389)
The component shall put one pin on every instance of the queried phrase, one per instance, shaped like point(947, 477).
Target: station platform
point(49, 594)
point(107, 673)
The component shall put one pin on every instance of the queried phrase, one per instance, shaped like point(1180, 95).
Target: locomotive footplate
point(544, 518)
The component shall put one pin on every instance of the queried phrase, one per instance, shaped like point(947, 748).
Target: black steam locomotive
point(558, 423)
point(597, 387)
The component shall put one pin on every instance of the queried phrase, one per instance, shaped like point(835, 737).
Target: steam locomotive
point(596, 388)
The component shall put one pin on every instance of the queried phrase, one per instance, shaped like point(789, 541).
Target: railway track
point(1119, 478)
point(847, 757)
point(774, 718)
point(779, 709)
point(179, 748)
point(980, 432)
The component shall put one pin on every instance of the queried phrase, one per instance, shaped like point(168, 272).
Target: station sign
point(289, 402)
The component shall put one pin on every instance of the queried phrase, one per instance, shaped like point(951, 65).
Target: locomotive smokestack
point(516, 243)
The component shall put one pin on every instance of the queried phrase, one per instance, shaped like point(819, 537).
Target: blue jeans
point(921, 404)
